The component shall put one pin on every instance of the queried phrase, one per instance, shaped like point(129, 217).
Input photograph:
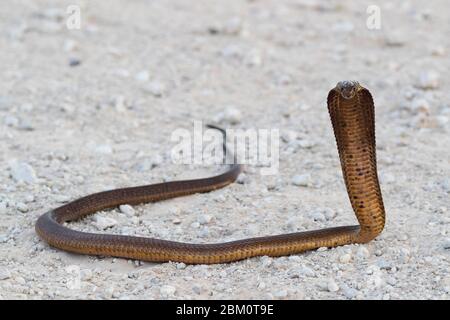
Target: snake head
point(347, 89)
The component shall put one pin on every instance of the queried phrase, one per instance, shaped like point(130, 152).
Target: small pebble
point(143, 76)
point(198, 289)
point(2, 208)
point(74, 62)
point(127, 209)
point(156, 88)
point(447, 243)
point(20, 280)
point(349, 292)
point(394, 40)
point(22, 172)
point(230, 114)
point(204, 232)
point(181, 266)
point(301, 180)
point(104, 149)
point(233, 26)
point(104, 223)
point(343, 26)
point(420, 105)
point(345, 258)
point(204, 219)
point(317, 216)
point(195, 225)
point(280, 294)
point(429, 80)
point(442, 121)
point(266, 261)
point(329, 213)
point(402, 237)
point(362, 252)
point(306, 271)
point(22, 207)
point(253, 59)
point(438, 51)
point(11, 121)
point(167, 291)
point(4, 274)
point(332, 285)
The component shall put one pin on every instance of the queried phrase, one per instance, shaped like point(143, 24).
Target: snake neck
point(355, 138)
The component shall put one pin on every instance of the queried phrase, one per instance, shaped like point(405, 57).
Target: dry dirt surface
point(89, 109)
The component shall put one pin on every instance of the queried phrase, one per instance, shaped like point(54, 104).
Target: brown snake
point(351, 111)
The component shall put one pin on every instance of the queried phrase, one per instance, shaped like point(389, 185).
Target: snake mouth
point(347, 89)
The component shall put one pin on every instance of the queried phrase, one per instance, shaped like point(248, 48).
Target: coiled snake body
point(351, 111)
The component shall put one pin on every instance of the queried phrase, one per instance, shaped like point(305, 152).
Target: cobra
point(351, 111)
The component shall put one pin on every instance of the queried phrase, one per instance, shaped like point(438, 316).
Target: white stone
point(104, 149)
point(231, 114)
point(302, 180)
point(127, 209)
point(22, 207)
point(442, 120)
point(204, 232)
point(387, 178)
point(266, 261)
point(195, 224)
point(420, 105)
point(20, 280)
point(345, 258)
point(204, 219)
point(104, 222)
point(349, 292)
point(233, 26)
point(280, 294)
point(317, 216)
point(22, 172)
point(362, 252)
point(2, 208)
point(143, 76)
point(253, 58)
point(167, 291)
point(181, 266)
point(156, 88)
point(11, 121)
point(438, 51)
point(344, 27)
point(332, 285)
point(29, 198)
point(4, 274)
point(288, 136)
point(446, 243)
point(329, 213)
point(306, 271)
point(429, 80)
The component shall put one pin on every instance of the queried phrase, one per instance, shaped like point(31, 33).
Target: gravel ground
point(92, 109)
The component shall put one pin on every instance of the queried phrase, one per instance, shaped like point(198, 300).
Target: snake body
point(351, 111)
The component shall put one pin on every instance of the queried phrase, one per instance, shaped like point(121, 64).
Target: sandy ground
point(92, 109)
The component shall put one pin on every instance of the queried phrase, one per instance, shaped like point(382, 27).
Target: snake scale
point(351, 110)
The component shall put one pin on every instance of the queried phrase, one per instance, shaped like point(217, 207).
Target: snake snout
point(347, 89)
